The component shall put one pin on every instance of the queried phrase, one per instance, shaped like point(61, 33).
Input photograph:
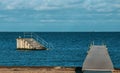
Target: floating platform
point(29, 44)
point(97, 60)
point(32, 41)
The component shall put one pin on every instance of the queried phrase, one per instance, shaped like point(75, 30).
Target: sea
point(69, 48)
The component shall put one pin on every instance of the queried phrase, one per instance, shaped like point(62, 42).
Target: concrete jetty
point(97, 60)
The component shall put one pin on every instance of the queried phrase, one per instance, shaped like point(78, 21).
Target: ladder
point(38, 39)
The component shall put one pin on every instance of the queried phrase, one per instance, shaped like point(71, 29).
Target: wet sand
point(36, 70)
point(44, 70)
point(116, 71)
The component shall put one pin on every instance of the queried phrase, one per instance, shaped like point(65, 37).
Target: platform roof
point(98, 59)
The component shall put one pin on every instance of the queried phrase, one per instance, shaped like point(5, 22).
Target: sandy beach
point(36, 70)
point(43, 70)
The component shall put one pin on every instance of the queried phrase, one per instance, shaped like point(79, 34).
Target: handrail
point(38, 39)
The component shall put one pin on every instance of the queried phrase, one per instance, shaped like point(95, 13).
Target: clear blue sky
point(59, 15)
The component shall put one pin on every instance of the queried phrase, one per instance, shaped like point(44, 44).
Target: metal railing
point(38, 39)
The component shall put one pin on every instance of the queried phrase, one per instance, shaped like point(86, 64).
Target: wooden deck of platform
point(98, 59)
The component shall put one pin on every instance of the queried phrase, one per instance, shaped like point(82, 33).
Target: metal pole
point(37, 38)
point(93, 43)
point(31, 34)
point(24, 34)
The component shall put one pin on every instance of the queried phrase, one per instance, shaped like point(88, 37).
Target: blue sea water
point(70, 49)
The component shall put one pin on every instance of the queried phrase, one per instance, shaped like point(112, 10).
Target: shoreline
point(27, 69)
point(43, 69)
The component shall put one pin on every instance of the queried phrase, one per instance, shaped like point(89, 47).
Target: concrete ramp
point(98, 60)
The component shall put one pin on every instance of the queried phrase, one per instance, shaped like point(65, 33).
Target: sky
point(59, 15)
